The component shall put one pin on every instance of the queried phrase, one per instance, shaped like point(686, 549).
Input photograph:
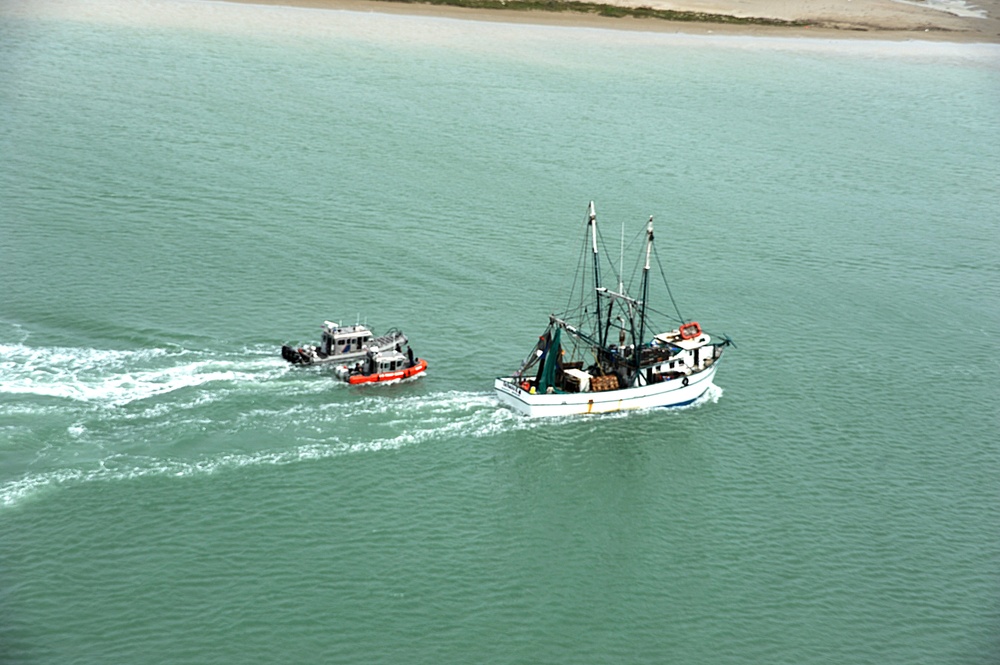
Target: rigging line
point(617, 269)
point(641, 233)
point(667, 284)
point(579, 266)
point(668, 317)
point(570, 313)
point(607, 256)
point(629, 248)
point(636, 269)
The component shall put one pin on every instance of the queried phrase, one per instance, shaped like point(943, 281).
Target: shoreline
point(890, 20)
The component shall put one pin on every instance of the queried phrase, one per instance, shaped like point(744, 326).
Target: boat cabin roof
point(339, 332)
point(386, 354)
point(673, 338)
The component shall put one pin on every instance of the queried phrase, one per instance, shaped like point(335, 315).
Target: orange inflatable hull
point(383, 377)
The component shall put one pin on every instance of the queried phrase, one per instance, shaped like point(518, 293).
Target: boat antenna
point(621, 262)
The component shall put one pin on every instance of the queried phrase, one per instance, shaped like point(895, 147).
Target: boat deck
point(387, 341)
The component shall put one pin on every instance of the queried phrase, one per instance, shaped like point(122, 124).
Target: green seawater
point(185, 186)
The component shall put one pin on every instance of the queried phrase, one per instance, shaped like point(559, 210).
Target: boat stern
point(511, 395)
point(296, 356)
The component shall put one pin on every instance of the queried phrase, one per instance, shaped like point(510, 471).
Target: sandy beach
point(931, 20)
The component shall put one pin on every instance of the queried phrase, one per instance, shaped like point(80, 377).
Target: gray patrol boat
point(341, 345)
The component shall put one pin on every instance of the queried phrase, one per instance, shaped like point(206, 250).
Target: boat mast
point(592, 222)
point(645, 294)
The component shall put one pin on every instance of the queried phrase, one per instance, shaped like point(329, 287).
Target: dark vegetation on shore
point(604, 10)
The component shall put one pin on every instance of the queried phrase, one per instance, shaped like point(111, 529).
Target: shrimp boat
point(603, 355)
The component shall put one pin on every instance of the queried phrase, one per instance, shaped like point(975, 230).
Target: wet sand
point(935, 20)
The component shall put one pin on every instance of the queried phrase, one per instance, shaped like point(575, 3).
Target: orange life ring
point(690, 330)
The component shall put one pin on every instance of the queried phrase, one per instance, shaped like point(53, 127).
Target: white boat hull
point(665, 394)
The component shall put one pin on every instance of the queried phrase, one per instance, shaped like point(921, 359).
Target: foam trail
point(115, 378)
point(433, 417)
point(484, 418)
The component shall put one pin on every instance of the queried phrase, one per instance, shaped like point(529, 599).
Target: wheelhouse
point(388, 361)
point(338, 340)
